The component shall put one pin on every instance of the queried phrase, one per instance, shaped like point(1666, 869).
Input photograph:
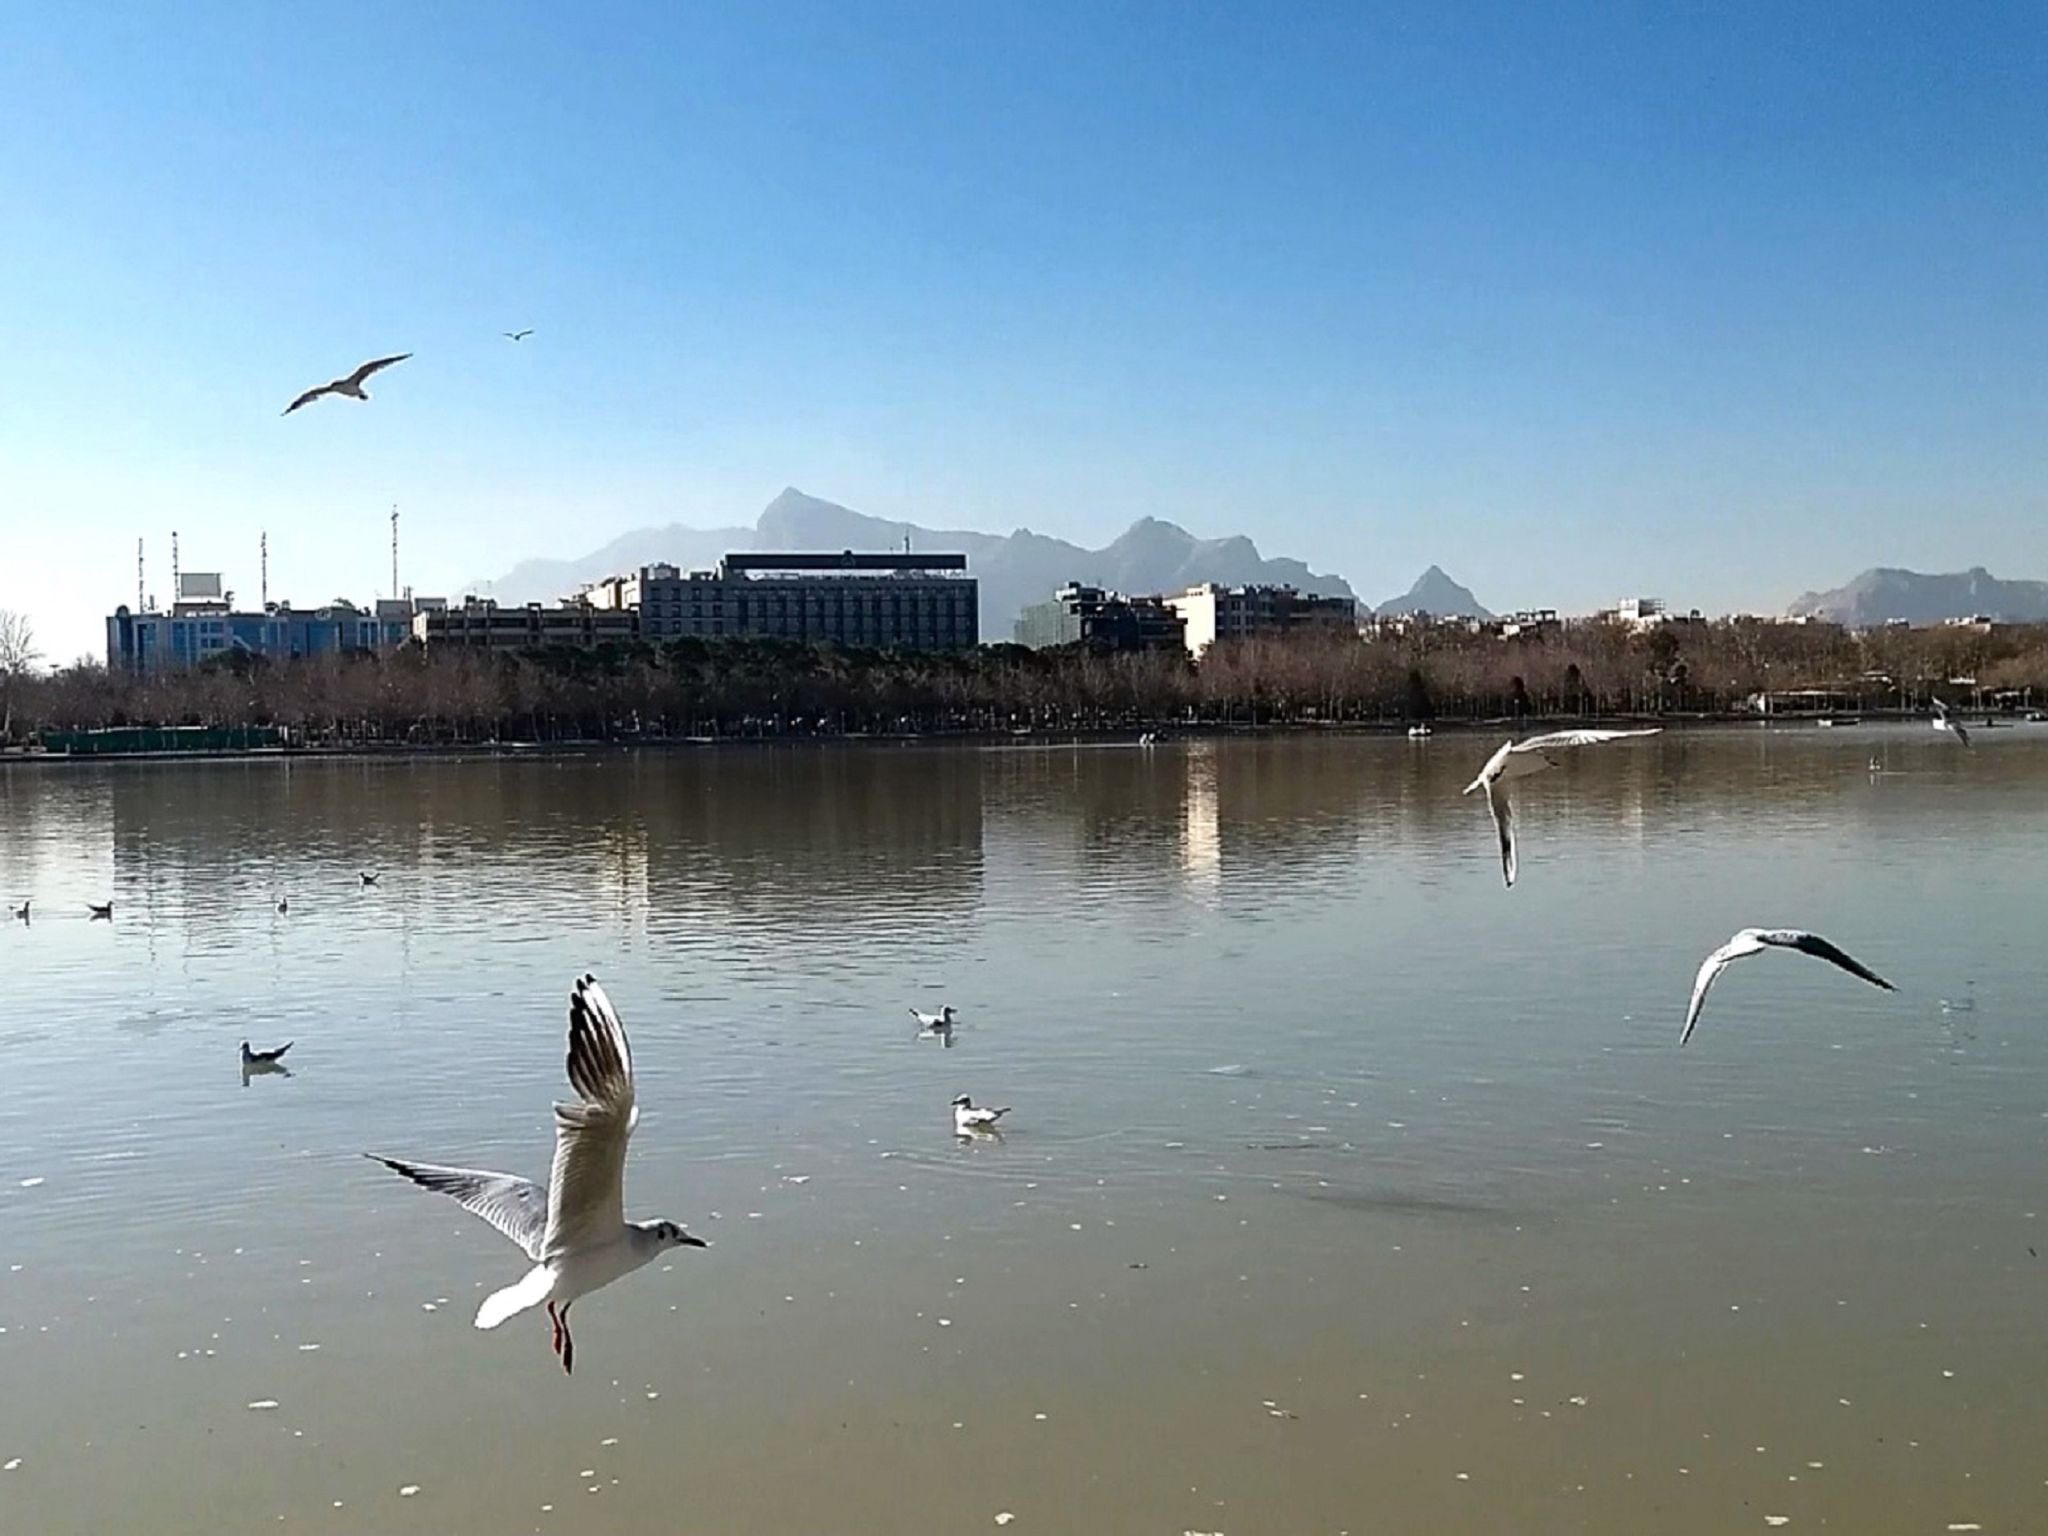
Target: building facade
point(483, 624)
point(204, 624)
point(1088, 615)
point(1212, 612)
point(900, 602)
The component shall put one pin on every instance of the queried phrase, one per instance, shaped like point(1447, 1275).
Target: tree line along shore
point(450, 696)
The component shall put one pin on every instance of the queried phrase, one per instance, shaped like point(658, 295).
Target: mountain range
point(1883, 594)
point(1013, 569)
point(1437, 595)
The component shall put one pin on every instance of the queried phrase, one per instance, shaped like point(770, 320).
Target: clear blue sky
point(1713, 303)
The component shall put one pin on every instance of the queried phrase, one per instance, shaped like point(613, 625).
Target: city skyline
point(1720, 308)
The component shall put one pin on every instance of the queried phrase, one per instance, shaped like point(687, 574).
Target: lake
point(1344, 1191)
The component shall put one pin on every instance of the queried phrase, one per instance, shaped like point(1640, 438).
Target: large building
point(896, 601)
point(481, 623)
point(1212, 612)
point(203, 623)
point(1088, 615)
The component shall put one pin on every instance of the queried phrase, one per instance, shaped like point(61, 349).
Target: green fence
point(162, 738)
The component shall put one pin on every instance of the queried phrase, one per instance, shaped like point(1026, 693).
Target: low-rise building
point(1078, 614)
point(484, 624)
point(203, 624)
point(1212, 612)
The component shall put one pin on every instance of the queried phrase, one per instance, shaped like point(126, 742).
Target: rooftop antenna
point(263, 560)
point(394, 549)
point(174, 565)
point(138, 578)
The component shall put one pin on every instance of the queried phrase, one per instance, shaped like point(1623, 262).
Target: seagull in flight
point(1519, 759)
point(1941, 722)
point(575, 1230)
point(969, 1121)
point(352, 386)
point(518, 335)
point(1754, 941)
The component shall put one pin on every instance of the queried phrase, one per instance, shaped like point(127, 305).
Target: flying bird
point(518, 335)
point(575, 1230)
point(969, 1121)
point(1941, 722)
point(1519, 759)
point(1754, 941)
point(352, 386)
point(101, 913)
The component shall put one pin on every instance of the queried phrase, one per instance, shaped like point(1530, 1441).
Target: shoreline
point(1168, 734)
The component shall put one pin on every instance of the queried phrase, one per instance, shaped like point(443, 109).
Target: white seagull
point(969, 1121)
point(1519, 759)
point(943, 1019)
point(352, 386)
point(1941, 722)
point(1754, 941)
point(575, 1230)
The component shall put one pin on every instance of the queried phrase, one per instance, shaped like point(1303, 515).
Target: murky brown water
point(1347, 1191)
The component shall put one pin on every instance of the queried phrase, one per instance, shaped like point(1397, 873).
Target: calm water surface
point(1347, 1191)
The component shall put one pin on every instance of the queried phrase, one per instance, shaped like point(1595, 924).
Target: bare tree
point(18, 655)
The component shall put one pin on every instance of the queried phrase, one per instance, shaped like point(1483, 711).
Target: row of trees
point(450, 695)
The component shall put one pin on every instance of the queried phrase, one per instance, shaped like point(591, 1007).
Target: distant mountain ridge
point(1885, 593)
point(1437, 595)
point(1014, 569)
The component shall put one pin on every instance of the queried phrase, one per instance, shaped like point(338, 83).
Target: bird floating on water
point(943, 1019)
point(352, 386)
point(264, 1058)
point(1941, 722)
point(101, 912)
point(518, 335)
point(1519, 759)
point(284, 904)
point(21, 912)
point(368, 877)
point(1754, 941)
point(575, 1230)
point(969, 1121)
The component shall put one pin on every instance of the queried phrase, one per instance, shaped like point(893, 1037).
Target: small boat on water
point(1419, 732)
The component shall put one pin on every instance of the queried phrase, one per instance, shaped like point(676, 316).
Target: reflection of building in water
point(1201, 825)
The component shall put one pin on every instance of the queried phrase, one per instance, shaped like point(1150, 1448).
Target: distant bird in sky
point(21, 912)
point(519, 335)
point(101, 912)
point(969, 1121)
point(1754, 941)
point(1941, 722)
point(264, 1058)
point(1519, 759)
point(575, 1230)
point(352, 386)
point(368, 878)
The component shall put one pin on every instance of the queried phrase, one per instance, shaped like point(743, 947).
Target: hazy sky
point(1708, 302)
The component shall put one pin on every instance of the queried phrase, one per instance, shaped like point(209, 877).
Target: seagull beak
point(690, 1241)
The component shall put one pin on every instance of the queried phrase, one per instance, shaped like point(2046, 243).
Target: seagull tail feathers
point(515, 1299)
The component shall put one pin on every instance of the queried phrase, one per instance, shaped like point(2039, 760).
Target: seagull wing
point(587, 1190)
point(1559, 739)
point(308, 397)
point(1940, 708)
point(1503, 810)
point(1813, 944)
point(1493, 767)
point(367, 369)
point(516, 1207)
point(1744, 943)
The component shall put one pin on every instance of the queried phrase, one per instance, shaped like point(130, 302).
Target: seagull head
point(963, 1102)
point(946, 1014)
point(670, 1234)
